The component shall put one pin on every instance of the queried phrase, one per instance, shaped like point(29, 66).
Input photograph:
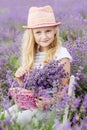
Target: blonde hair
point(29, 49)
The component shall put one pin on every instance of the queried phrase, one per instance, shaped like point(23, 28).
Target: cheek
point(51, 36)
point(36, 38)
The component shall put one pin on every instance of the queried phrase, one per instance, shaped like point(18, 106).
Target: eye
point(38, 32)
point(48, 30)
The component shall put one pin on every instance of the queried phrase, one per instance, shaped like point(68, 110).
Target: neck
point(43, 49)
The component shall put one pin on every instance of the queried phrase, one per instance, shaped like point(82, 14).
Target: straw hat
point(41, 17)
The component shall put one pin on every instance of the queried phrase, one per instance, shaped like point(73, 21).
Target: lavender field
point(73, 32)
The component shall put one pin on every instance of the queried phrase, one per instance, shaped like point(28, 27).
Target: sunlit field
point(73, 33)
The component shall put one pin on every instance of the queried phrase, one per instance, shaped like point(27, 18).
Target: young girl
point(41, 44)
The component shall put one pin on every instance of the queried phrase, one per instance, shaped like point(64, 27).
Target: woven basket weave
point(23, 97)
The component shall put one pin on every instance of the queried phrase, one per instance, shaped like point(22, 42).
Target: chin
point(44, 45)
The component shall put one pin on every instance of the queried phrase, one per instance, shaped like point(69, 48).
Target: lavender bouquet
point(49, 77)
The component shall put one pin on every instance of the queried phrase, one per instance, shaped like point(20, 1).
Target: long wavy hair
point(29, 49)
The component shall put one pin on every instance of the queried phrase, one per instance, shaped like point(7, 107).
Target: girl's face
point(44, 36)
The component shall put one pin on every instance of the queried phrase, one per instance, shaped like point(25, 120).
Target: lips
point(45, 41)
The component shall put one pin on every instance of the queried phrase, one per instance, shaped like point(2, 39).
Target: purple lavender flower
point(77, 102)
point(7, 122)
point(57, 125)
point(49, 77)
point(1, 128)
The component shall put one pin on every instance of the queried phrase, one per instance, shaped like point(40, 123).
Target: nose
point(43, 36)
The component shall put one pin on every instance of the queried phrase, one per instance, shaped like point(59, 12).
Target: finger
point(20, 73)
point(40, 105)
point(40, 98)
point(38, 102)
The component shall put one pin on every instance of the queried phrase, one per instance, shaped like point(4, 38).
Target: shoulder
point(62, 52)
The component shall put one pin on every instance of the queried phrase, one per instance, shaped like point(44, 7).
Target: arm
point(65, 81)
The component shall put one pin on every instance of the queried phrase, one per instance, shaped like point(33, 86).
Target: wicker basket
point(26, 99)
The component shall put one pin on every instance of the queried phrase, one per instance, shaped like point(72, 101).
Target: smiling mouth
point(45, 41)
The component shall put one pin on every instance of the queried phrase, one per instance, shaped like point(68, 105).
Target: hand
point(42, 103)
point(59, 95)
point(20, 73)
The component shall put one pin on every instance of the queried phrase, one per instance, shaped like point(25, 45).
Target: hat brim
point(42, 25)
